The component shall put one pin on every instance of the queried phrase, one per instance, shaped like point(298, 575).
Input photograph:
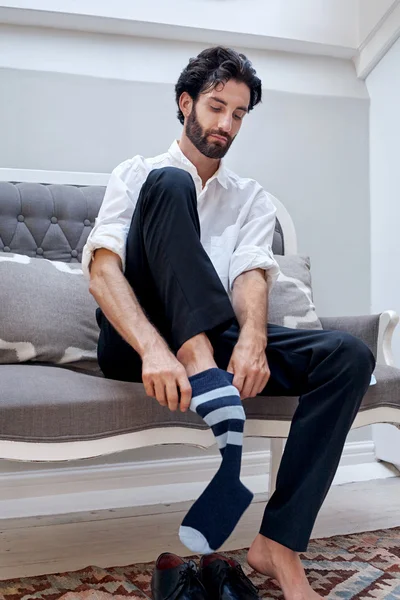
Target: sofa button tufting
point(7, 249)
point(74, 253)
point(21, 218)
point(39, 251)
point(54, 220)
point(86, 222)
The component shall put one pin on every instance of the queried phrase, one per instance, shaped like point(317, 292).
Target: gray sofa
point(51, 413)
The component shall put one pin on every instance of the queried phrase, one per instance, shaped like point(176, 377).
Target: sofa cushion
point(291, 299)
point(46, 313)
point(48, 404)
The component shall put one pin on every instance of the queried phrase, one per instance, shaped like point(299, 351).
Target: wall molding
point(120, 58)
point(54, 177)
point(379, 41)
point(123, 23)
point(82, 488)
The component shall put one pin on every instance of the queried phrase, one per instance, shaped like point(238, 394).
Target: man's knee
point(171, 178)
point(351, 351)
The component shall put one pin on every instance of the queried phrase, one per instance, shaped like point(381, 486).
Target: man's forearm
point(250, 303)
point(117, 300)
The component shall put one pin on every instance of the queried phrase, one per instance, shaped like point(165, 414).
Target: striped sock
point(213, 517)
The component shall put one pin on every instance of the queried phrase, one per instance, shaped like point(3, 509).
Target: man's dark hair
point(216, 66)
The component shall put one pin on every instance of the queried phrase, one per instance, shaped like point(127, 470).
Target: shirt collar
point(178, 155)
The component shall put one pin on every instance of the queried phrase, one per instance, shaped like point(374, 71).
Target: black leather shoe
point(175, 579)
point(224, 579)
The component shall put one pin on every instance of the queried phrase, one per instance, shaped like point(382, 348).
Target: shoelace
point(188, 574)
point(237, 572)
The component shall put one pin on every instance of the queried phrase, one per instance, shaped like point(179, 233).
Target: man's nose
point(225, 123)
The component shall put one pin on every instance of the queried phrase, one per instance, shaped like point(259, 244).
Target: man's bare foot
point(279, 562)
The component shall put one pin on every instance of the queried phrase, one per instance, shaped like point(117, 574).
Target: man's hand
point(250, 367)
point(163, 375)
point(165, 378)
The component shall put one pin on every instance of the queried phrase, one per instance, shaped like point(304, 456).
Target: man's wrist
point(151, 341)
point(251, 333)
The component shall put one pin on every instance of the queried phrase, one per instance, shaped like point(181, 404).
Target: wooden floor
point(109, 538)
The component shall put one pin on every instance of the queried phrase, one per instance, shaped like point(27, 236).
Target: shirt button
point(74, 253)
point(54, 220)
point(7, 249)
point(21, 218)
point(39, 251)
point(86, 222)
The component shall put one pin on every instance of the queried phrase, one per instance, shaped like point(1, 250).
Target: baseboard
point(111, 486)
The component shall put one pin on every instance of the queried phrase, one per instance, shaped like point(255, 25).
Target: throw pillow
point(291, 300)
point(46, 313)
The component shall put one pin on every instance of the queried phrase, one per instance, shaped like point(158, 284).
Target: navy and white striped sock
point(213, 517)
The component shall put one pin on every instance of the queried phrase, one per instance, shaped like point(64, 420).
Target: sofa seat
point(52, 404)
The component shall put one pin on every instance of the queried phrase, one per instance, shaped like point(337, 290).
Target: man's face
point(216, 117)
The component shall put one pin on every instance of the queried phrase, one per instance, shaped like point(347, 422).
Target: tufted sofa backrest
point(53, 221)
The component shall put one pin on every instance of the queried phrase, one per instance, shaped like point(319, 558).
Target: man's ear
point(186, 104)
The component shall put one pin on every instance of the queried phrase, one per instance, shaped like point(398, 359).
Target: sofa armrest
point(374, 330)
point(388, 321)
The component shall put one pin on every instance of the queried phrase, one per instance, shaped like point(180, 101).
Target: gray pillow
point(291, 301)
point(46, 313)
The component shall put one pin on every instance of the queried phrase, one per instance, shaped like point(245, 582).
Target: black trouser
point(181, 293)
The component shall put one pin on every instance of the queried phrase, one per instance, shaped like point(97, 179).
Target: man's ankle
point(196, 355)
point(198, 366)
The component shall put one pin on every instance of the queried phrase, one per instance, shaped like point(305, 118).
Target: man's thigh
point(288, 354)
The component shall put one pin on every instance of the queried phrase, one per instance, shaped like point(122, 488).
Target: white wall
point(384, 88)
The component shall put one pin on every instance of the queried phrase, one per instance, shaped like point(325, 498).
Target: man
point(181, 265)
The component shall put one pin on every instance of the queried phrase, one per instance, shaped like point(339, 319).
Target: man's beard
point(199, 138)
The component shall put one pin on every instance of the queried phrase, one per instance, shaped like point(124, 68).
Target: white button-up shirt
point(237, 217)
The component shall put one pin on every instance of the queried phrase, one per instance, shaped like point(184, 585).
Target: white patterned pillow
point(291, 300)
point(46, 313)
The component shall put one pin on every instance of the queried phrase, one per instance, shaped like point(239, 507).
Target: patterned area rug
point(359, 566)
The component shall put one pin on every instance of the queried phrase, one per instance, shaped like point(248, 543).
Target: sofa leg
point(277, 446)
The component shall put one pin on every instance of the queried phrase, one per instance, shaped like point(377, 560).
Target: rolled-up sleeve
point(254, 245)
point(113, 221)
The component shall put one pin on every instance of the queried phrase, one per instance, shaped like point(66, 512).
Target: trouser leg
point(330, 371)
point(169, 271)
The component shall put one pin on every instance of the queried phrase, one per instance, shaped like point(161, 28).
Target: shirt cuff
point(108, 242)
point(249, 260)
